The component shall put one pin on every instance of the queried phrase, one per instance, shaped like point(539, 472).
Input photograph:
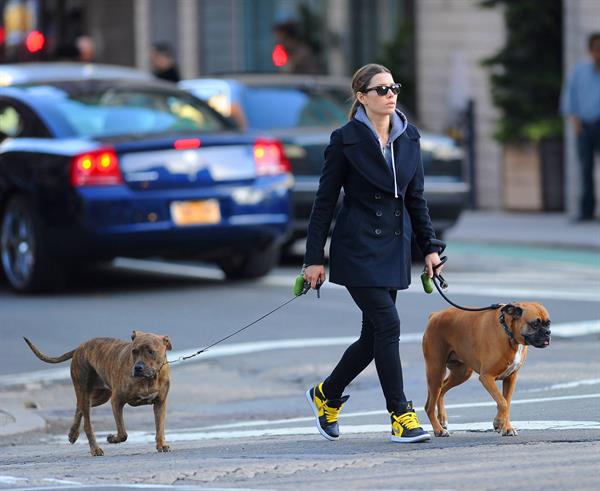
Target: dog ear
point(167, 342)
point(512, 310)
point(133, 335)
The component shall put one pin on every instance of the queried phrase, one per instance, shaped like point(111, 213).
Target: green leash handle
point(301, 286)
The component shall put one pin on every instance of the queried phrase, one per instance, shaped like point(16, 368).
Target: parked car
point(302, 111)
point(105, 162)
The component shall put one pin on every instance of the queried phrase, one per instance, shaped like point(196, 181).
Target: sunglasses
point(383, 89)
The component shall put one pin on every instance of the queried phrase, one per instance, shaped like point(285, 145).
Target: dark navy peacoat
point(371, 241)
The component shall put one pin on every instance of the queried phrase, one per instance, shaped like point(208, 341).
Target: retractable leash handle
point(302, 286)
point(425, 279)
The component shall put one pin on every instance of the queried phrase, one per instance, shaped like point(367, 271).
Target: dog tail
point(48, 359)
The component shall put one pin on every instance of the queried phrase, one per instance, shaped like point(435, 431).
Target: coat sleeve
point(330, 184)
point(416, 206)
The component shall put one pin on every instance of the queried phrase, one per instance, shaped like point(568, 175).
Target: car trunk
point(169, 163)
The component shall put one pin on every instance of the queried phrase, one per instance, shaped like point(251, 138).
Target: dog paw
point(510, 432)
point(73, 436)
point(97, 452)
point(497, 425)
point(444, 432)
point(163, 448)
point(116, 438)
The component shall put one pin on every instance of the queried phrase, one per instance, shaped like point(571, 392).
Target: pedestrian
point(163, 62)
point(376, 159)
point(581, 102)
point(301, 56)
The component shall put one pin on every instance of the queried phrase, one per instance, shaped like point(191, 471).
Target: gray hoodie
point(399, 124)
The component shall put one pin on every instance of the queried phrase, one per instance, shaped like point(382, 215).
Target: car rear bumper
point(117, 220)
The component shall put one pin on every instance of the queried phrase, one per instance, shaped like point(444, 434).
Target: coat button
point(377, 231)
point(379, 213)
point(377, 196)
point(397, 213)
point(397, 232)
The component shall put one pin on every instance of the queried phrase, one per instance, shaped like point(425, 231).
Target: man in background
point(581, 103)
point(163, 62)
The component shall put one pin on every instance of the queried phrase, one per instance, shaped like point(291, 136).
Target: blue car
point(95, 166)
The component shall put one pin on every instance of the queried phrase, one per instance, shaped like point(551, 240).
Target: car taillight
point(270, 158)
point(97, 168)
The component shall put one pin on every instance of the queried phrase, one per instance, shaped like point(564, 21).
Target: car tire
point(252, 264)
point(25, 262)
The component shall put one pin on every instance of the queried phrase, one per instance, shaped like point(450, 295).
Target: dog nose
point(138, 367)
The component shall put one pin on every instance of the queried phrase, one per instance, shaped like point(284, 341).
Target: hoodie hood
point(398, 120)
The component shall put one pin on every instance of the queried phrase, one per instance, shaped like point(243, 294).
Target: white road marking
point(567, 385)
point(484, 426)
point(252, 429)
point(565, 330)
point(463, 286)
point(11, 479)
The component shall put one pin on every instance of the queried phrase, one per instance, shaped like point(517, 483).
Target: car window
point(283, 107)
point(117, 112)
point(11, 121)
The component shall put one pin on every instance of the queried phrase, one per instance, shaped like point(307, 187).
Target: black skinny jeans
point(379, 340)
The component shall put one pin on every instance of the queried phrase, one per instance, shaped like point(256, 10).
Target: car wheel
point(253, 264)
point(26, 265)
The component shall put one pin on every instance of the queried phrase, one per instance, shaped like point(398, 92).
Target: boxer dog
point(492, 343)
point(134, 373)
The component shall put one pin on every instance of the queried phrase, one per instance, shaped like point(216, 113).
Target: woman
point(376, 158)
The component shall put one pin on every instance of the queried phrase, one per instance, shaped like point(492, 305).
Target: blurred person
point(376, 159)
point(581, 103)
point(301, 56)
point(86, 48)
point(163, 62)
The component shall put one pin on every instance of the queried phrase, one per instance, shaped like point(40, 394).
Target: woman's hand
point(314, 273)
point(430, 261)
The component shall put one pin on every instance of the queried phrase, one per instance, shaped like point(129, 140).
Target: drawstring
point(383, 147)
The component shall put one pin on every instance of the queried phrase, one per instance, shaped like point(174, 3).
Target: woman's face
point(375, 103)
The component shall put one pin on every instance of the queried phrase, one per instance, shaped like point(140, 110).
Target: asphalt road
point(237, 414)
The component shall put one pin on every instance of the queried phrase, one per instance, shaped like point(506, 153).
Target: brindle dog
point(134, 373)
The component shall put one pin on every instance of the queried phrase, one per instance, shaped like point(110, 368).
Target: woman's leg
point(380, 340)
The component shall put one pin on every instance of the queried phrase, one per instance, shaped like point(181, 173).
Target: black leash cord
point(183, 358)
point(437, 279)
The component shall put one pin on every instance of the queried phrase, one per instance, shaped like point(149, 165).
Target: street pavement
point(272, 453)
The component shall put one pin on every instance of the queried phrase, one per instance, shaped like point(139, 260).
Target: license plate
point(195, 212)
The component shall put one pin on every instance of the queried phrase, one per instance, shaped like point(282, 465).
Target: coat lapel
point(362, 150)
point(406, 157)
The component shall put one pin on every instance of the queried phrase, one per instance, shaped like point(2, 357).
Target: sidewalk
point(543, 230)
point(546, 230)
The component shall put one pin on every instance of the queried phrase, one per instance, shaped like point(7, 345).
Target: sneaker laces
point(409, 420)
point(331, 412)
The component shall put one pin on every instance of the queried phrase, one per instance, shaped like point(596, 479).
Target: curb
point(14, 420)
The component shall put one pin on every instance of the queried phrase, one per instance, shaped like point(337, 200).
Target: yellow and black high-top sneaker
point(326, 411)
point(405, 425)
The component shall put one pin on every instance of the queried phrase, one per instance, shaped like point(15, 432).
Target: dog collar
point(502, 320)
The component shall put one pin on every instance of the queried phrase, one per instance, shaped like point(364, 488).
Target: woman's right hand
point(314, 273)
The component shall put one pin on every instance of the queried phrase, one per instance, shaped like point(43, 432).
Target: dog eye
point(134, 352)
point(151, 352)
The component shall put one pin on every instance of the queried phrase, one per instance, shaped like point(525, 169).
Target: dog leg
point(117, 407)
point(459, 373)
point(86, 405)
point(488, 381)
point(74, 431)
point(508, 388)
point(435, 375)
point(160, 412)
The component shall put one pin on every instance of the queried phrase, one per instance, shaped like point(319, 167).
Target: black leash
point(305, 288)
point(441, 284)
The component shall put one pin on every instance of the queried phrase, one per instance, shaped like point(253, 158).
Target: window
point(118, 112)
